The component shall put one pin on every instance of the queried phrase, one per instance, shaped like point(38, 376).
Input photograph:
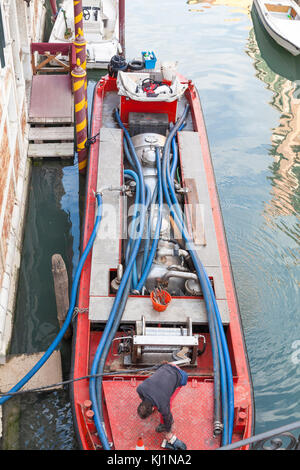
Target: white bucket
point(168, 70)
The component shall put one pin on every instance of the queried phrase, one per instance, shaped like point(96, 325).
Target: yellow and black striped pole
point(80, 42)
point(80, 86)
point(80, 48)
point(79, 79)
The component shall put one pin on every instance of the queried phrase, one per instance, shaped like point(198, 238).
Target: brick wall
point(22, 23)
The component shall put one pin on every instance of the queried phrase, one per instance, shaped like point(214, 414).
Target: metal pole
point(79, 80)
point(53, 8)
point(122, 25)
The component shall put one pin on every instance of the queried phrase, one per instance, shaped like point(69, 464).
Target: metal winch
point(151, 345)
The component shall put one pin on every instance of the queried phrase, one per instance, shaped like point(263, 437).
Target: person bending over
point(158, 391)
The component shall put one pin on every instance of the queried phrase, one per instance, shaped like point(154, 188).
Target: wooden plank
point(51, 120)
point(63, 150)
point(192, 167)
point(52, 133)
point(194, 212)
point(61, 288)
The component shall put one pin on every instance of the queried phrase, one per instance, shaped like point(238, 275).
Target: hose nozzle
point(218, 428)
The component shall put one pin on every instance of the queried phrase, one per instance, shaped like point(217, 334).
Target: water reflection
point(241, 6)
point(281, 73)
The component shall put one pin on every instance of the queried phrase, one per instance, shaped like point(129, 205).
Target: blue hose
point(133, 174)
point(176, 214)
point(147, 241)
point(136, 275)
point(224, 359)
point(227, 365)
point(127, 153)
point(157, 228)
point(118, 298)
point(68, 319)
point(175, 155)
point(219, 325)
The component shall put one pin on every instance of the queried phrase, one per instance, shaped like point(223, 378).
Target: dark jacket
point(158, 389)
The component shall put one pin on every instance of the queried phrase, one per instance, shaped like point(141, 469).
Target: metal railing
point(277, 439)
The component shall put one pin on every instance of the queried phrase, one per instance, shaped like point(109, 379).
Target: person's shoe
point(173, 444)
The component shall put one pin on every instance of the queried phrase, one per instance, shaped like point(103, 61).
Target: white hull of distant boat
point(281, 19)
point(100, 28)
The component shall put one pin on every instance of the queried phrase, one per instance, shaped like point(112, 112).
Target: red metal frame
point(85, 340)
point(128, 105)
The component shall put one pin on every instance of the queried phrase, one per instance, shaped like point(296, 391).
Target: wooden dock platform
point(51, 100)
point(51, 109)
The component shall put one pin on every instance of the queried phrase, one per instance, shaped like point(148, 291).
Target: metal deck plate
point(192, 411)
point(105, 255)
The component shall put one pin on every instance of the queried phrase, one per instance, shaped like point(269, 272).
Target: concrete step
point(17, 366)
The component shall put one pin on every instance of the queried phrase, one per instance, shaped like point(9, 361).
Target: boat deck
point(107, 246)
point(190, 409)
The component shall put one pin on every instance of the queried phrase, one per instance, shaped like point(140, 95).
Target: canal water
point(250, 93)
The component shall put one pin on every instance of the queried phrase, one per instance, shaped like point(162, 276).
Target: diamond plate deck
point(192, 411)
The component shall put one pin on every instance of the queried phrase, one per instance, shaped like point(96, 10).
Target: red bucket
point(160, 300)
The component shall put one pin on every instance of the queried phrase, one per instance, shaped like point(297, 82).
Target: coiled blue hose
point(68, 319)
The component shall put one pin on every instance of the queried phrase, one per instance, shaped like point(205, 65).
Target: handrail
point(276, 437)
point(51, 51)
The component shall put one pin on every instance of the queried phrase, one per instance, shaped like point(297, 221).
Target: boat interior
point(284, 12)
point(171, 269)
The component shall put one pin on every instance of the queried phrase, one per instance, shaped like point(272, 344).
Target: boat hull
point(120, 415)
point(101, 43)
point(275, 34)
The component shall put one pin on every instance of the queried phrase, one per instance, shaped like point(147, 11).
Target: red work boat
point(150, 159)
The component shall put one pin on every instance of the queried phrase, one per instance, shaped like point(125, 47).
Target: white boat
point(100, 28)
point(282, 21)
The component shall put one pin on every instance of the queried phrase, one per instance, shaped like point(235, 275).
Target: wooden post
point(79, 77)
point(61, 287)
